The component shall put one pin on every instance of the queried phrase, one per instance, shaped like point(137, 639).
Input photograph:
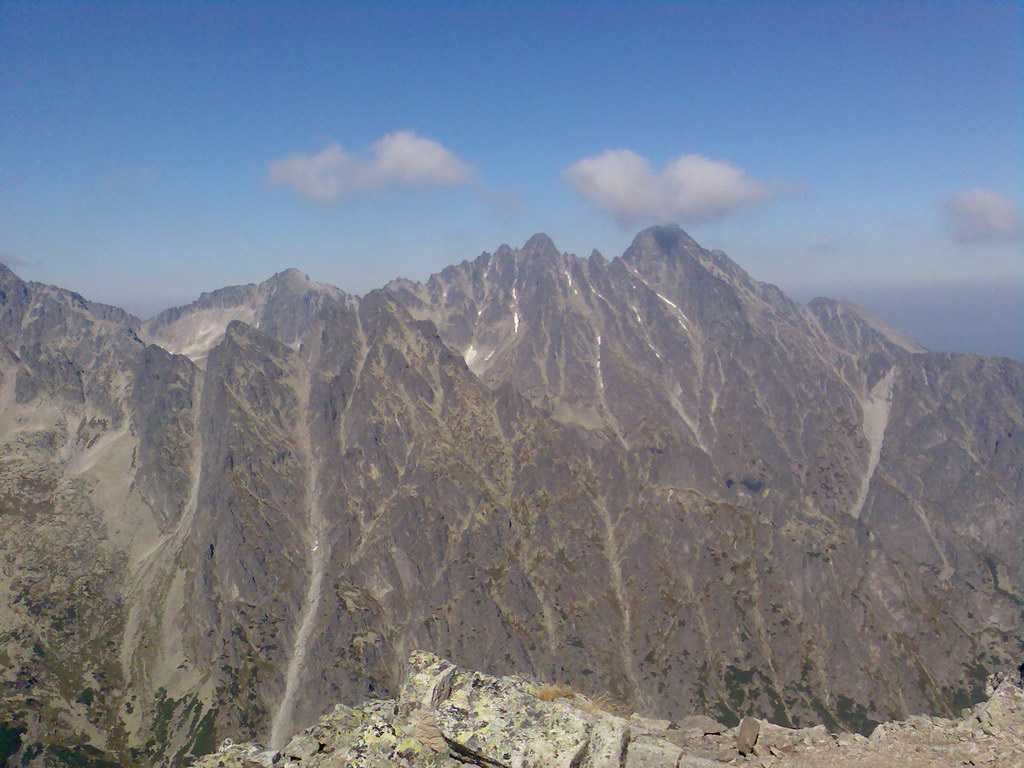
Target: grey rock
point(646, 752)
point(648, 725)
point(746, 734)
point(266, 758)
point(302, 747)
point(691, 761)
point(609, 741)
point(701, 723)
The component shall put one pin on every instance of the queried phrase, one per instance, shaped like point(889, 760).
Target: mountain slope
point(652, 477)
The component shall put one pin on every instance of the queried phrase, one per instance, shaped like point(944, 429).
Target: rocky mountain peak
point(6, 273)
point(281, 306)
point(292, 279)
point(667, 253)
point(540, 244)
point(669, 239)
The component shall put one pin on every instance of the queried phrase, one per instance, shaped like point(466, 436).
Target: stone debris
point(302, 747)
point(701, 723)
point(746, 736)
point(447, 717)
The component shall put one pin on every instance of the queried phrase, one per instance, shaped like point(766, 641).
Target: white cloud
point(324, 176)
point(402, 157)
point(980, 215)
point(690, 187)
point(405, 158)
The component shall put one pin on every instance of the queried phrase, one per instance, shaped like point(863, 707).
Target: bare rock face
point(653, 478)
point(283, 307)
point(509, 722)
point(838, 469)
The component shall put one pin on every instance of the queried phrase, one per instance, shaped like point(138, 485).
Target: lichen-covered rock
point(302, 747)
point(608, 742)
point(447, 717)
point(645, 751)
point(501, 720)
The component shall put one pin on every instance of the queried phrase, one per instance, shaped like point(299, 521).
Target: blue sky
point(152, 151)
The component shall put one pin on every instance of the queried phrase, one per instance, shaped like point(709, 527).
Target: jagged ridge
point(669, 482)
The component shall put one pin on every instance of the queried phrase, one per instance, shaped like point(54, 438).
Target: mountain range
point(652, 478)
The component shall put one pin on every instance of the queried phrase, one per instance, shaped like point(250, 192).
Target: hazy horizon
point(150, 152)
point(963, 317)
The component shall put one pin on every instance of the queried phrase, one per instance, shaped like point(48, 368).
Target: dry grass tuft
point(552, 692)
point(603, 702)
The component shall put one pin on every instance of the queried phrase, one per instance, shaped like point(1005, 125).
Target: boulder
point(746, 734)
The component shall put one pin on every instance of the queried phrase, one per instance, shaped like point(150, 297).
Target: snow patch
point(568, 276)
point(476, 361)
point(681, 316)
point(668, 301)
point(640, 321)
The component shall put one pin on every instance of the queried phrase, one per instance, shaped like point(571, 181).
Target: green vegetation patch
point(854, 716)
point(746, 690)
point(10, 741)
point(77, 757)
point(203, 741)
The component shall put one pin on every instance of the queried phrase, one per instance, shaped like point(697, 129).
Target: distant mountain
point(652, 477)
point(283, 307)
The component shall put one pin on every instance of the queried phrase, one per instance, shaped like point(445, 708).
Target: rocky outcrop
point(447, 717)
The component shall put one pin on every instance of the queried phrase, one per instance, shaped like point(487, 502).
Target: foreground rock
point(447, 717)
